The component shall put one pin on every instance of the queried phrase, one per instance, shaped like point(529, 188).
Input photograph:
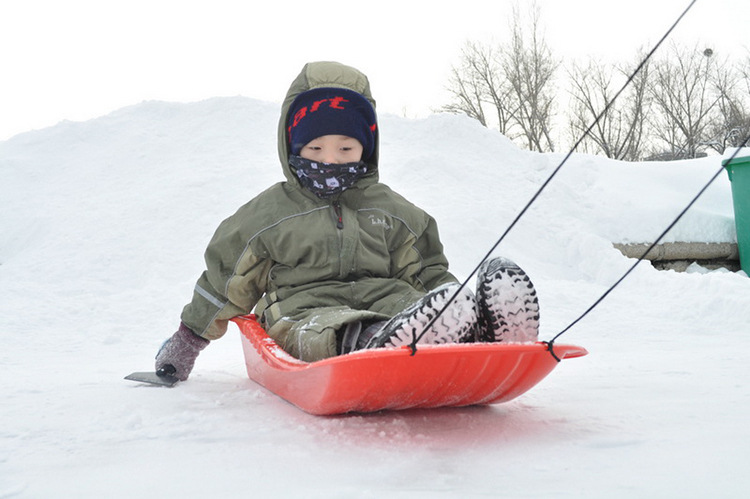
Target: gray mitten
point(180, 352)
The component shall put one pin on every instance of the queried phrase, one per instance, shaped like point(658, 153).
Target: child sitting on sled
point(333, 261)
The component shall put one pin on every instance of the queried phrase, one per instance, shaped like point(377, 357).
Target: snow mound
point(102, 230)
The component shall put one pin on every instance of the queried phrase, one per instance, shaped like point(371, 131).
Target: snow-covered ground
point(102, 229)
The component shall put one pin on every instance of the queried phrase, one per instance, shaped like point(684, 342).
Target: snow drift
point(102, 231)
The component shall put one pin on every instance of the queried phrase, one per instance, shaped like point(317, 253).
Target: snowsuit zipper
point(339, 217)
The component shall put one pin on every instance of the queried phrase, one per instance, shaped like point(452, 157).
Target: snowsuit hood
point(324, 74)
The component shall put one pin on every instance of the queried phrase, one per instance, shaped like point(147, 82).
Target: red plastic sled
point(393, 378)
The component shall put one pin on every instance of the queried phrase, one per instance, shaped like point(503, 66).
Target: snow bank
point(103, 227)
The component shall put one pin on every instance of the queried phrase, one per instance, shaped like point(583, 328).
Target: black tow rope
point(413, 344)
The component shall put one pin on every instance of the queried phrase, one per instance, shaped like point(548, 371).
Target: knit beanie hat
point(332, 111)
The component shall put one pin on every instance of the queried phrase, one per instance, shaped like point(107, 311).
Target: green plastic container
point(739, 175)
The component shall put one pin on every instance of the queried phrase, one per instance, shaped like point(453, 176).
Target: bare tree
point(498, 91)
point(675, 107)
point(478, 84)
point(684, 96)
point(619, 132)
point(468, 84)
point(745, 77)
point(732, 122)
point(529, 67)
point(514, 81)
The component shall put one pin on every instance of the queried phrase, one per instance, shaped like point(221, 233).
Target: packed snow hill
point(102, 229)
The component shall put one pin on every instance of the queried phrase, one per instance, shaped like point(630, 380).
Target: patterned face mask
point(326, 179)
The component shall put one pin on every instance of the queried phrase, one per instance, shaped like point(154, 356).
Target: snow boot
point(356, 335)
point(507, 304)
point(457, 324)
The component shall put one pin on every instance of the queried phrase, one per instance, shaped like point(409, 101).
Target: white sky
point(79, 59)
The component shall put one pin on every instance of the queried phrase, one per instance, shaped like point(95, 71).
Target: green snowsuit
point(306, 273)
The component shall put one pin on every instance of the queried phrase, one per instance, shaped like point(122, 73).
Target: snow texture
point(102, 229)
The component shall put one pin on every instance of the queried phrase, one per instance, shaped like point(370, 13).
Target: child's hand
point(180, 352)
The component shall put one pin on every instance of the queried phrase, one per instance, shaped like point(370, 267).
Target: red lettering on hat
point(316, 105)
point(299, 115)
point(336, 101)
